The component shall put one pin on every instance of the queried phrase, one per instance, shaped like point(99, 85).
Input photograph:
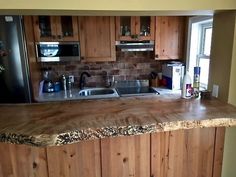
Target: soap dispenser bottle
point(187, 86)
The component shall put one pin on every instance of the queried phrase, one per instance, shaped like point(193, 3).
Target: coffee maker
point(48, 85)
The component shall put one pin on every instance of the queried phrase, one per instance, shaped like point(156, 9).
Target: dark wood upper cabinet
point(135, 28)
point(169, 37)
point(56, 28)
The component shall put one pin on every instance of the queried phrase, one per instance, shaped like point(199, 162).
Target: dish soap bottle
point(186, 87)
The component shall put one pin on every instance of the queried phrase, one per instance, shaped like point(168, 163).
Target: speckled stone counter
point(59, 123)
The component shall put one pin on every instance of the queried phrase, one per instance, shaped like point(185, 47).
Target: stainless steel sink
point(98, 93)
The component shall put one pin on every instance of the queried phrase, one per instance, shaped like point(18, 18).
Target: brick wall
point(128, 66)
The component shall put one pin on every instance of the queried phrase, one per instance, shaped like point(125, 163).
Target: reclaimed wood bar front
point(162, 136)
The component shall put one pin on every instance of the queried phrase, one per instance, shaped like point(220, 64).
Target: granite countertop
point(59, 123)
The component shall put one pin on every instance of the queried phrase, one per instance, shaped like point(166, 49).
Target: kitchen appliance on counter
point(134, 88)
point(172, 75)
point(57, 51)
point(14, 80)
point(48, 85)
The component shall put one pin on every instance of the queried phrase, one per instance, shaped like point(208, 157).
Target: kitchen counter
point(74, 95)
point(59, 123)
point(59, 96)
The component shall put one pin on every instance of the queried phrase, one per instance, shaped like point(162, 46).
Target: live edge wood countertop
point(59, 123)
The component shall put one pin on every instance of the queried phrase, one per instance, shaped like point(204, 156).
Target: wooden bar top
point(59, 123)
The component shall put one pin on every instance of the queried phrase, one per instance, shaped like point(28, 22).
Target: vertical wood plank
point(22, 161)
point(136, 24)
point(176, 154)
point(117, 28)
point(152, 28)
point(126, 156)
point(219, 151)
point(199, 152)
point(184, 153)
point(76, 160)
point(35, 72)
point(112, 39)
point(159, 154)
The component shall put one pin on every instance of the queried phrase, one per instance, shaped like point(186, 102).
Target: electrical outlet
point(71, 78)
point(215, 90)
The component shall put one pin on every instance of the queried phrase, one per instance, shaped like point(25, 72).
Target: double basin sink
point(96, 93)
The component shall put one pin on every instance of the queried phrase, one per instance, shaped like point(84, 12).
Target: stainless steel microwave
point(57, 51)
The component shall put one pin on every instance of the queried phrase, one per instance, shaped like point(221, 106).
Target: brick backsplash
point(128, 66)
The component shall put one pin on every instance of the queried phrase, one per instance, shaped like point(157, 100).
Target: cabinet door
point(125, 28)
point(67, 28)
point(169, 38)
point(126, 156)
point(135, 28)
point(183, 153)
point(97, 38)
point(145, 27)
point(45, 28)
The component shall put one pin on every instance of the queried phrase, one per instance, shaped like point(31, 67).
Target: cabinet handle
point(157, 56)
point(82, 58)
point(53, 36)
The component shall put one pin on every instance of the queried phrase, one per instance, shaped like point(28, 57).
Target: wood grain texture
point(126, 156)
point(219, 151)
point(183, 153)
point(135, 29)
point(97, 38)
point(169, 37)
point(22, 161)
point(75, 32)
point(77, 160)
point(56, 29)
point(34, 67)
point(61, 123)
point(53, 27)
point(151, 36)
point(119, 36)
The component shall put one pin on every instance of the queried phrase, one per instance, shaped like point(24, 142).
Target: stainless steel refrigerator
point(14, 80)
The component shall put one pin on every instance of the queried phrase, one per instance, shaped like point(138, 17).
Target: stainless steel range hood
point(125, 46)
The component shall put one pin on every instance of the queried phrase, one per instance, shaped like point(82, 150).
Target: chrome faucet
point(82, 79)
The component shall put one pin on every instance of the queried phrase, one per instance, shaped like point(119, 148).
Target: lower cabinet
point(181, 153)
